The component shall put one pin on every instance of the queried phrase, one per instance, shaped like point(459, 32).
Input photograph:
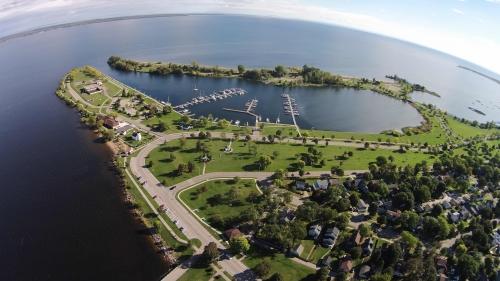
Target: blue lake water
point(63, 218)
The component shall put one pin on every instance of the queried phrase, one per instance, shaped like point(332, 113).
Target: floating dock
point(220, 95)
point(249, 108)
point(290, 108)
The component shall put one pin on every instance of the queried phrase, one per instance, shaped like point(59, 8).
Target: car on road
point(173, 187)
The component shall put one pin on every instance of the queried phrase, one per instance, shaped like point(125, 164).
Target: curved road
point(191, 227)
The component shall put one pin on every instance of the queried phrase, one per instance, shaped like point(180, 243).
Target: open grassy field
point(289, 270)
point(466, 130)
point(197, 274)
point(201, 199)
point(241, 159)
point(318, 253)
point(435, 135)
point(308, 247)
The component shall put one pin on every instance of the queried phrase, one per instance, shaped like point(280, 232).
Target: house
point(358, 239)
point(326, 261)
point(92, 89)
point(330, 237)
point(123, 130)
point(320, 185)
point(364, 272)
point(393, 216)
point(368, 247)
point(110, 122)
point(136, 136)
point(232, 233)
point(362, 207)
point(300, 185)
point(495, 238)
point(345, 266)
point(446, 205)
point(464, 213)
point(287, 215)
point(185, 127)
point(297, 250)
point(454, 216)
point(314, 231)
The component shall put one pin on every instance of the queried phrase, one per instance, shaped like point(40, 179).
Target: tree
point(239, 245)
point(108, 135)
point(161, 127)
point(409, 220)
point(364, 230)
point(381, 161)
point(422, 194)
point(322, 273)
point(435, 228)
point(381, 277)
point(180, 169)
point(367, 145)
point(190, 166)
point(410, 240)
point(468, 267)
point(403, 201)
point(211, 252)
point(241, 69)
point(354, 199)
point(436, 210)
point(279, 71)
point(264, 161)
point(223, 123)
point(262, 269)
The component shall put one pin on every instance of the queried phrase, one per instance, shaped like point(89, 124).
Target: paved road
point(192, 228)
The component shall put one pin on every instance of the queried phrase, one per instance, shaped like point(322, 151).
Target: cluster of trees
point(314, 75)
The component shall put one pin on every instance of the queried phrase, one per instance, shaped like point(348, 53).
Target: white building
point(136, 136)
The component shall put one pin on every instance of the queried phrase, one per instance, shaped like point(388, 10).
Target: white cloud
point(457, 11)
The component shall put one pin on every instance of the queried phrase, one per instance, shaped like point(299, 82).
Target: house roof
point(321, 184)
point(232, 233)
point(358, 238)
point(346, 266)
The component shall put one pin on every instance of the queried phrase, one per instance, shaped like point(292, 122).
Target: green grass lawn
point(308, 246)
point(290, 270)
point(133, 143)
point(241, 160)
point(197, 274)
point(112, 89)
point(466, 130)
point(318, 253)
point(200, 199)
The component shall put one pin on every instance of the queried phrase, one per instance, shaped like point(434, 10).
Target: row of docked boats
point(218, 95)
point(289, 105)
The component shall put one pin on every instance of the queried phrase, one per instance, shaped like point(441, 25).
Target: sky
point(469, 29)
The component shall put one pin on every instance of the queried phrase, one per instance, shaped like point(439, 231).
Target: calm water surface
point(62, 215)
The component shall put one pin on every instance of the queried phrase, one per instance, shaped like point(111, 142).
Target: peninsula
point(224, 201)
point(305, 76)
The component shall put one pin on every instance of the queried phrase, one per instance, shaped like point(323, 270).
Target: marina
point(249, 109)
point(219, 95)
point(290, 107)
